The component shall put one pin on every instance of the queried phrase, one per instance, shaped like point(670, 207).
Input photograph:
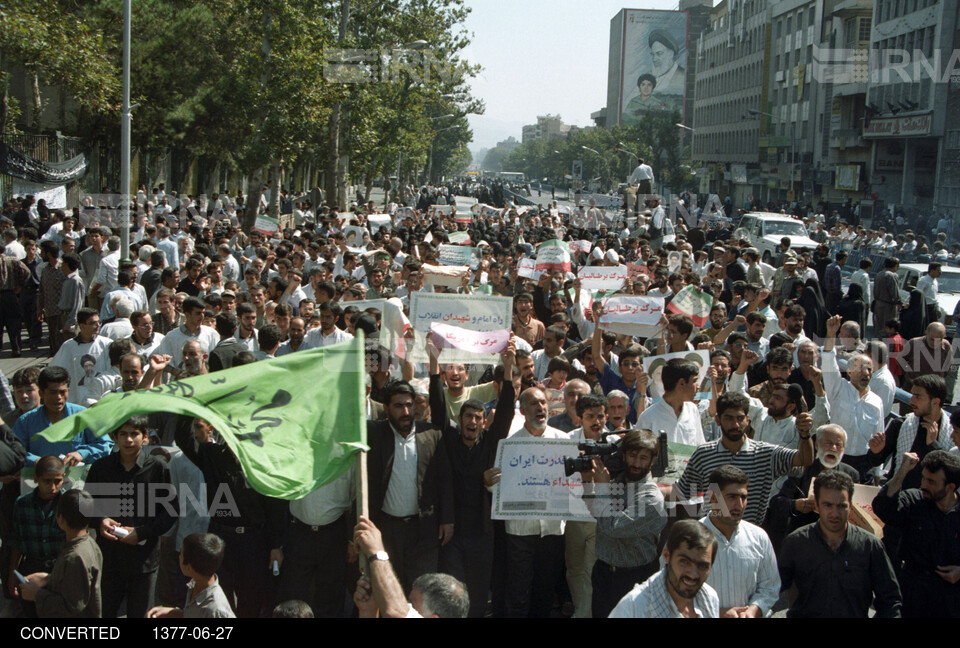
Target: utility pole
point(125, 139)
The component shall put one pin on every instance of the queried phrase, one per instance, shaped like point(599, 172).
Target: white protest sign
point(653, 366)
point(638, 316)
point(449, 276)
point(532, 485)
point(603, 277)
point(453, 337)
point(441, 209)
point(379, 221)
point(527, 268)
point(55, 195)
point(581, 246)
point(481, 313)
point(553, 255)
point(459, 238)
point(459, 255)
point(266, 225)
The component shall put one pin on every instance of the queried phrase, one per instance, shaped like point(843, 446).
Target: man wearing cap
point(784, 277)
point(666, 63)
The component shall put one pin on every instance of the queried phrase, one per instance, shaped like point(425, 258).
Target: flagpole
point(363, 498)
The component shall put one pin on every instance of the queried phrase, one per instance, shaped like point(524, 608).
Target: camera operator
point(630, 514)
point(580, 537)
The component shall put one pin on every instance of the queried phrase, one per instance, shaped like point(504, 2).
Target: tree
point(55, 44)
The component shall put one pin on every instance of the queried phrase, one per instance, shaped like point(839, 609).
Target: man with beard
point(804, 374)
point(928, 520)
point(839, 569)
point(744, 572)
point(568, 419)
point(471, 450)
point(628, 525)
point(850, 402)
point(580, 537)
point(411, 494)
point(778, 422)
point(794, 506)
point(534, 547)
point(298, 330)
point(679, 589)
point(763, 462)
point(779, 362)
point(921, 432)
point(455, 376)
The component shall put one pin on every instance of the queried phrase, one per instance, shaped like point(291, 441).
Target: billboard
point(653, 67)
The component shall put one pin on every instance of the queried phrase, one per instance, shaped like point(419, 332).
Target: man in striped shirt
point(763, 462)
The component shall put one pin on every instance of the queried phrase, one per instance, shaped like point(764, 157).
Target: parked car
point(764, 231)
point(948, 294)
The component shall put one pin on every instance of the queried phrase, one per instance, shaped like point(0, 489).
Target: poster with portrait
point(353, 236)
point(653, 365)
point(653, 72)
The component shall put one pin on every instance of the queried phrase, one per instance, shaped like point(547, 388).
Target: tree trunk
point(253, 201)
point(333, 157)
point(274, 207)
point(335, 197)
point(37, 103)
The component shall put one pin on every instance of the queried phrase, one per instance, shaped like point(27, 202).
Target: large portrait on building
point(654, 63)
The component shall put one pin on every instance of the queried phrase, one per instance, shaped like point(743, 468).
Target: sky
point(540, 57)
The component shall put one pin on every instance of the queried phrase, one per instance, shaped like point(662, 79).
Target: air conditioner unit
point(779, 76)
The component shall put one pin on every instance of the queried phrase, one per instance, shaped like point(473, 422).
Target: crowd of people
point(796, 412)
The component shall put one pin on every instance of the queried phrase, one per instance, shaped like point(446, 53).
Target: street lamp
point(599, 157)
point(692, 130)
point(623, 147)
point(793, 146)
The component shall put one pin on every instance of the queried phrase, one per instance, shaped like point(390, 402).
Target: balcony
point(844, 138)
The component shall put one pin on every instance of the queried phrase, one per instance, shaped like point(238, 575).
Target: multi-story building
point(733, 77)
point(841, 70)
point(547, 127)
point(913, 105)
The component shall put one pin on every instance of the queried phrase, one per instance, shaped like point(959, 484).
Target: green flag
point(295, 422)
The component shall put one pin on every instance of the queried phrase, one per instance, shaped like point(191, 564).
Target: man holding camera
point(630, 514)
point(580, 537)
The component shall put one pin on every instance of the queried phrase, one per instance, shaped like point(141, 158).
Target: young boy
point(72, 589)
point(36, 539)
point(130, 543)
point(200, 558)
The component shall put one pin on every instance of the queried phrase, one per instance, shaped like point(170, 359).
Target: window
point(953, 139)
point(864, 30)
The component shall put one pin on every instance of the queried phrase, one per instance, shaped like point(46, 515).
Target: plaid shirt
point(35, 531)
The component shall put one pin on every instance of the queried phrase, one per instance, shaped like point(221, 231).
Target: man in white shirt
point(328, 333)
point(776, 423)
point(534, 548)
point(744, 572)
point(317, 531)
point(882, 383)
point(676, 413)
point(87, 342)
point(930, 287)
point(106, 280)
point(192, 329)
point(851, 404)
point(246, 334)
point(679, 589)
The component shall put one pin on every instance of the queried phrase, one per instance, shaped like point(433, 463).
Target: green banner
point(294, 422)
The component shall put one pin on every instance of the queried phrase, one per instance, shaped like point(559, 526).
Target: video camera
point(590, 448)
